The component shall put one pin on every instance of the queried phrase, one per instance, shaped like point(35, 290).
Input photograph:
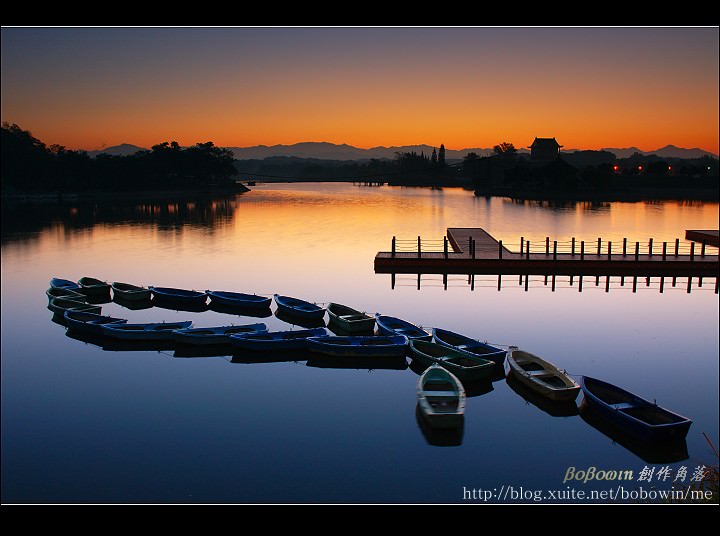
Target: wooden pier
point(474, 251)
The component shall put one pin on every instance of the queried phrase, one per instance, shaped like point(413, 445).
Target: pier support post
point(610, 250)
point(500, 248)
point(637, 250)
point(599, 245)
point(650, 247)
point(547, 245)
point(554, 250)
point(527, 255)
point(582, 250)
point(445, 247)
point(572, 248)
point(692, 251)
point(677, 246)
point(393, 247)
point(664, 251)
point(624, 246)
point(419, 247)
point(702, 249)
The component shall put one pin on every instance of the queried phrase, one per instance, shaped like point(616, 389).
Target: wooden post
point(689, 283)
point(677, 246)
point(572, 250)
point(393, 247)
point(445, 281)
point(580, 284)
point(554, 252)
point(527, 256)
point(664, 250)
point(392, 280)
point(692, 253)
point(599, 245)
point(582, 250)
point(702, 249)
point(662, 283)
point(547, 245)
point(445, 247)
point(499, 281)
point(522, 245)
point(650, 248)
point(500, 248)
point(473, 247)
point(607, 283)
point(419, 247)
point(637, 250)
point(470, 245)
point(553, 283)
point(624, 246)
point(634, 283)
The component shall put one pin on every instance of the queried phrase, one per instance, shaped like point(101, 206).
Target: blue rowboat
point(390, 325)
point(60, 305)
point(441, 397)
point(276, 340)
point(468, 344)
point(153, 331)
point(359, 346)
point(93, 287)
point(215, 335)
point(57, 282)
point(239, 299)
point(90, 323)
point(179, 295)
point(642, 418)
point(299, 308)
point(464, 365)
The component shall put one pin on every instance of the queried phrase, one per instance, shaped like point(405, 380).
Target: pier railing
point(574, 247)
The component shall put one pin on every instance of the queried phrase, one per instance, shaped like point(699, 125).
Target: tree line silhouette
point(29, 166)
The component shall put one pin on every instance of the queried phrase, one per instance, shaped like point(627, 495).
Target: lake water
point(83, 423)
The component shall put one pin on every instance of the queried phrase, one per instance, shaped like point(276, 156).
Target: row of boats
point(450, 360)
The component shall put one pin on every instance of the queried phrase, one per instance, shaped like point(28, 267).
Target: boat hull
point(277, 340)
point(465, 366)
point(350, 320)
point(359, 346)
point(60, 305)
point(94, 288)
point(214, 336)
point(179, 296)
point(542, 376)
point(468, 344)
point(389, 325)
point(299, 308)
point(638, 416)
point(238, 299)
point(130, 293)
point(164, 331)
point(441, 398)
point(89, 323)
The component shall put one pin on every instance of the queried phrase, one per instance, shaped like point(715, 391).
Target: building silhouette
point(544, 149)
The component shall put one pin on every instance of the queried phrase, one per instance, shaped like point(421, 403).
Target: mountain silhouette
point(124, 149)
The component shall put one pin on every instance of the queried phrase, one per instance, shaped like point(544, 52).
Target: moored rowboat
point(300, 308)
point(93, 287)
point(239, 299)
point(91, 323)
point(60, 305)
point(390, 325)
point(276, 340)
point(179, 295)
point(153, 331)
point(359, 346)
point(474, 346)
point(57, 282)
point(350, 320)
point(59, 292)
point(635, 414)
point(464, 365)
point(129, 292)
point(215, 335)
point(542, 376)
point(441, 397)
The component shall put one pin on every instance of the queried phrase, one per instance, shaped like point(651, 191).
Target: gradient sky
point(86, 88)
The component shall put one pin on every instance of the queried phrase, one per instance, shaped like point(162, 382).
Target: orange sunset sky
point(464, 87)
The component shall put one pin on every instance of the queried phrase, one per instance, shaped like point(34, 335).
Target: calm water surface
point(86, 424)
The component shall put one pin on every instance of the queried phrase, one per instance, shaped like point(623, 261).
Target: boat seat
point(538, 373)
point(624, 405)
point(440, 394)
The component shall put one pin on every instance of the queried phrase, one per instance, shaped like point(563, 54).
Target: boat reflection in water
point(668, 451)
point(439, 437)
point(110, 344)
point(357, 362)
point(239, 311)
point(251, 356)
point(172, 305)
point(133, 305)
point(191, 350)
point(307, 323)
point(566, 408)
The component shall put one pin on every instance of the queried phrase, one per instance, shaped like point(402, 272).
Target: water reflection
point(307, 323)
point(551, 407)
point(239, 311)
point(439, 437)
point(249, 357)
point(78, 215)
point(360, 363)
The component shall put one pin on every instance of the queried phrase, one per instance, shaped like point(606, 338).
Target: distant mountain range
point(331, 151)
